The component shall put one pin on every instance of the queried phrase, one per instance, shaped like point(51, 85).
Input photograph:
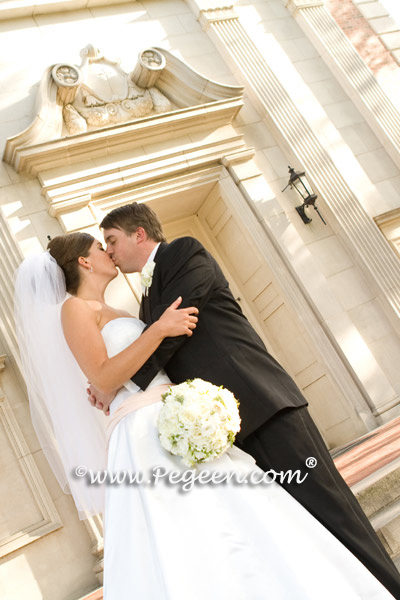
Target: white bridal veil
point(70, 431)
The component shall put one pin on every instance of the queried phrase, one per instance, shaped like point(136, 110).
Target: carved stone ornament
point(99, 93)
point(76, 102)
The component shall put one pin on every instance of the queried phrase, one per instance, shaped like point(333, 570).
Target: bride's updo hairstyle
point(66, 249)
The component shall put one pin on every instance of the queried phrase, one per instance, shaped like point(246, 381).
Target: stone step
point(379, 496)
point(369, 453)
point(94, 595)
point(371, 467)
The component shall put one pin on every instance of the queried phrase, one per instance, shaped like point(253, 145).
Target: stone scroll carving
point(99, 92)
point(76, 102)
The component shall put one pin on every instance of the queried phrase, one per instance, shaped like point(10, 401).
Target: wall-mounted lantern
point(300, 183)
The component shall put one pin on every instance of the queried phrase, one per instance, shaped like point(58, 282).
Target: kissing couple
point(303, 541)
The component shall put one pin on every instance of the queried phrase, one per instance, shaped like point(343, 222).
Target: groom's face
point(124, 250)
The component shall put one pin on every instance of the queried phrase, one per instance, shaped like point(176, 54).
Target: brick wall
point(361, 35)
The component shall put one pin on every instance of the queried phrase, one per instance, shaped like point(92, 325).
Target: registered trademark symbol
point(311, 462)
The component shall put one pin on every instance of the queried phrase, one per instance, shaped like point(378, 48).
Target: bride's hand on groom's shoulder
point(177, 321)
point(100, 399)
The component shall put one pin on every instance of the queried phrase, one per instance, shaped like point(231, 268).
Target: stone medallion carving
point(100, 93)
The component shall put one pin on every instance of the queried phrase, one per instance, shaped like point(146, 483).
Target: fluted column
point(94, 526)
point(301, 144)
point(351, 72)
point(10, 258)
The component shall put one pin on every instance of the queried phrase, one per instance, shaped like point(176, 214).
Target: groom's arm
point(187, 271)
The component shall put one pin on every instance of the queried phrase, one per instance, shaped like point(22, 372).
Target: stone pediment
point(96, 106)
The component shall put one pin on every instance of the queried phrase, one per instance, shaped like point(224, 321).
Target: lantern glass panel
point(306, 185)
point(301, 189)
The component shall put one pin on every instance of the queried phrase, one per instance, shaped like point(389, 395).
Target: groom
point(224, 349)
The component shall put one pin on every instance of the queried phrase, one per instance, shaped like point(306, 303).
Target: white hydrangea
point(198, 421)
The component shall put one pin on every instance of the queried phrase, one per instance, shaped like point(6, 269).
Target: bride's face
point(101, 262)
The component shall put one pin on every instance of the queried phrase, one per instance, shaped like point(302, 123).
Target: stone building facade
point(197, 107)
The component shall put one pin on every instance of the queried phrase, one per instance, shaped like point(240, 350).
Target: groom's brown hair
point(129, 217)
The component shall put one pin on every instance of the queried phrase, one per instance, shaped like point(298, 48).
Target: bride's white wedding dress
point(217, 541)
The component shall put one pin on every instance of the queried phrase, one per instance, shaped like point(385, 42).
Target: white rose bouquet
point(198, 421)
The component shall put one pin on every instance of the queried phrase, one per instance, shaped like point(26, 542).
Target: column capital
point(207, 16)
point(295, 5)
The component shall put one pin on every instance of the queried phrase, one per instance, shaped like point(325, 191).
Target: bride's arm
point(84, 338)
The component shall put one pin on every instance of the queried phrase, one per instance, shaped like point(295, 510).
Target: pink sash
point(138, 400)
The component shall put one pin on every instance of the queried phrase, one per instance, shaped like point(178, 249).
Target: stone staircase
point(371, 467)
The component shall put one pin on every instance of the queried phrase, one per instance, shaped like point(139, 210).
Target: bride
point(218, 541)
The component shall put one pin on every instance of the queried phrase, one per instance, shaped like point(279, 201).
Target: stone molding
point(304, 149)
point(295, 5)
point(103, 142)
point(50, 519)
point(75, 191)
point(15, 9)
point(218, 14)
point(10, 258)
point(194, 102)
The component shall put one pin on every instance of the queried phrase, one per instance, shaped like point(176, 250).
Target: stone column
point(10, 258)
point(303, 147)
point(94, 526)
point(351, 72)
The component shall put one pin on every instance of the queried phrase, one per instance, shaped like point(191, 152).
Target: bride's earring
point(91, 269)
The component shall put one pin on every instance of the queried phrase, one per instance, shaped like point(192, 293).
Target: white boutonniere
point(146, 276)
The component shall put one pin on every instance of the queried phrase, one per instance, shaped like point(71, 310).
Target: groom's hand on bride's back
point(99, 399)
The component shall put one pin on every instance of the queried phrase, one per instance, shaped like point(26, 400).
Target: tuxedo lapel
point(161, 249)
point(142, 316)
point(145, 310)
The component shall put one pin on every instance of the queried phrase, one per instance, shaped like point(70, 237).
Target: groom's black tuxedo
point(276, 427)
point(224, 349)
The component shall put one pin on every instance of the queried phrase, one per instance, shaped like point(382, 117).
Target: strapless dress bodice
point(118, 334)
